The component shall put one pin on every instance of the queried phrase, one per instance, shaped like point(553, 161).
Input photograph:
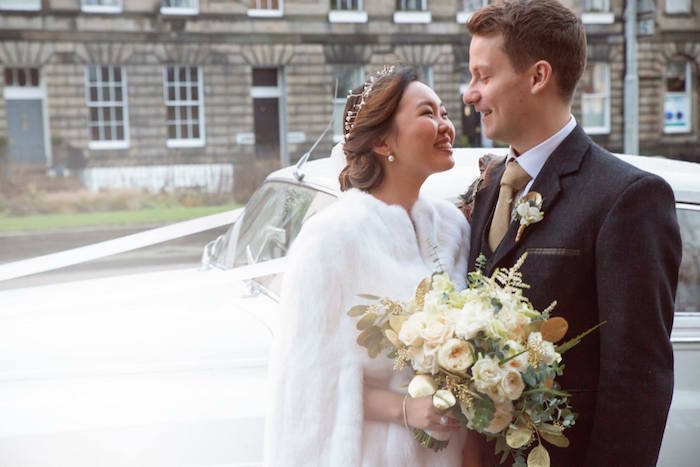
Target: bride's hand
point(422, 414)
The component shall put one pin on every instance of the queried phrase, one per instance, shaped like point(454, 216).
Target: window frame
point(19, 6)
point(102, 144)
point(678, 12)
point(179, 10)
point(603, 16)
point(177, 103)
point(422, 16)
point(341, 15)
point(267, 12)
point(605, 95)
point(111, 9)
point(688, 128)
point(464, 15)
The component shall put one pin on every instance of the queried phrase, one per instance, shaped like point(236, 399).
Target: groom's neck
point(541, 124)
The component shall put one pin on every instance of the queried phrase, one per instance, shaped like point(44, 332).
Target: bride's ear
point(381, 148)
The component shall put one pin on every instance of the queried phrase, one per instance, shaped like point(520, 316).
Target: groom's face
point(497, 91)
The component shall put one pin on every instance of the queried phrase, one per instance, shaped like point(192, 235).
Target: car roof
point(684, 177)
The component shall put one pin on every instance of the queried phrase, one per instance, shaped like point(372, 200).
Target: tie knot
point(515, 176)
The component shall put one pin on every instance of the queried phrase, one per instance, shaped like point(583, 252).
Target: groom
point(608, 247)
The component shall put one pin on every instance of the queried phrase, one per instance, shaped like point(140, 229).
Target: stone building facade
point(220, 92)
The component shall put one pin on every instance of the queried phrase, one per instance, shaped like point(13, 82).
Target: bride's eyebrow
point(430, 104)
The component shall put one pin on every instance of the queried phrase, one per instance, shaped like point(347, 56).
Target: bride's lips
point(444, 145)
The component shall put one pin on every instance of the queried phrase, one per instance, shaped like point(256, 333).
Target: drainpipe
point(631, 111)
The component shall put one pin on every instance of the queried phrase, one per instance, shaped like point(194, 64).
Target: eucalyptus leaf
point(396, 321)
point(367, 334)
point(368, 320)
point(538, 457)
point(559, 440)
point(367, 296)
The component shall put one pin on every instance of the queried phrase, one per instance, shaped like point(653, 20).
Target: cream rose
point(519, 363)
point(501, 418)
point(486, 373)
point(437, 330)
point(433, 303)
point(424, 358)
point(471, 320)
point(410, 330)
point(512, 384)
point(455, 355)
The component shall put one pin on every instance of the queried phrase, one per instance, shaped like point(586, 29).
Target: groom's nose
point(471, 96)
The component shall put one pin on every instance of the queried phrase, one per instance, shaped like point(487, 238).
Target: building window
point(468, 9)
point(20, 5)
point(347, 11)
point(265, 8)
point(22, 77)
point(595, 101)
point(597, 12)
point(412, 11)
point(348, 77)
point(677, 109)
point(678, 6)
point(184, 105)
point(411, 5)
point(105, 94)
point(179, 7)
point(101, 6)
point(269, 116)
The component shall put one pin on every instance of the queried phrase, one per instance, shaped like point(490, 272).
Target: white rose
point(486, 373)
point(409, 333)
point(544, 349)
point(436, 330)
point(501, 418)
point(424, 358)
point(471, 320)
point(513, 322)
point(455, 355)
point(512, 385)
point(519, 363)
point(496, 393)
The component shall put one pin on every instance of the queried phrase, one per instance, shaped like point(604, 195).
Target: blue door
point(25, 131)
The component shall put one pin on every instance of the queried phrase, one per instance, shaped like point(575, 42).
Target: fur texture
point(358, 245)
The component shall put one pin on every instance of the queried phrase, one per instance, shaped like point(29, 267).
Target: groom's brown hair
point(537, 30)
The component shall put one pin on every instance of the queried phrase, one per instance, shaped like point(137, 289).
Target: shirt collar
point(533, 159)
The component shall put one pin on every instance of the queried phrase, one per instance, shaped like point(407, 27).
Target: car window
point(688, 294)
point(272, 219)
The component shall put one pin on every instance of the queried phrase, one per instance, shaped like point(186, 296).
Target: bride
point(329, 403)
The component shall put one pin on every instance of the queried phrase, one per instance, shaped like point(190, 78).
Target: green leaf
point(538, 457)
point(484, 408)
point(574, 341)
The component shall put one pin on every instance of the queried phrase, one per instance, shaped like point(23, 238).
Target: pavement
point(184, 252)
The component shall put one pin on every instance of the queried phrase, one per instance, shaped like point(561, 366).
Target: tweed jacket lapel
point(565, 159)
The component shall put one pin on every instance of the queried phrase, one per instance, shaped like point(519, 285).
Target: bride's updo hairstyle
point(369, 117)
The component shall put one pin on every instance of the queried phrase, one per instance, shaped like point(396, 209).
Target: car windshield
point(272, 219)
point(688, 294)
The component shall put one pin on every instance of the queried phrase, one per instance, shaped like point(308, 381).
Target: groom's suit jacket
point(608, 249)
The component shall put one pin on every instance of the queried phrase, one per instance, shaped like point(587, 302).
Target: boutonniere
point(529, 211)
point(487, 163)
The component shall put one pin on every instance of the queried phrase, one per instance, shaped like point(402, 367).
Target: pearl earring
point(390, 158)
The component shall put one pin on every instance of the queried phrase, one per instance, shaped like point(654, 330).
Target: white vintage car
point(169, 368)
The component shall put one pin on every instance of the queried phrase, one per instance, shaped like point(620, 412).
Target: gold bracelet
point(403, 406)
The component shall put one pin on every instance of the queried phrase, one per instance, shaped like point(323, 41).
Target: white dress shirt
point(533, 159)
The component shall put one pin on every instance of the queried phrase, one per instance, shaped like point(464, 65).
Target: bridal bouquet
point(485, 353)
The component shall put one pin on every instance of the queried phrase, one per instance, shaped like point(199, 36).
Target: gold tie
point(513, 180)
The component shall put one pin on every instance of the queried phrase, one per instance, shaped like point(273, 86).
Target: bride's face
point(423, 134)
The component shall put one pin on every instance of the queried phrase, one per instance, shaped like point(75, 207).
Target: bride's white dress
point(357, 245)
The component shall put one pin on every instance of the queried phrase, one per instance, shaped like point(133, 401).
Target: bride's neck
point(394, 190)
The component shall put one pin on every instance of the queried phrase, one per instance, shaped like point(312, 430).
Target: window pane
point(677, 6)
point(194, 91)
point(183, 93)
point(182, 74)
point(105, 74)
point(676, 76)
point(34, 76)
point(118, 94)
point(171, 113)
point(171, 93)
point(21, 77)
point(94, 134)
point(264, 77)
point(195, 112)
point(595, 5)
point(171, 74)
point(120, 132)
point(93, 115)
point(473, 5)
point(117, 74)
point(195, 131)
point(171, 132)
point(108, 133)
point(688, 293)
point(349, 77)
point(8, 77)
point(593, 109)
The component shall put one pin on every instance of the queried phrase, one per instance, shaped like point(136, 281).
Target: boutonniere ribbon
point(528, 210)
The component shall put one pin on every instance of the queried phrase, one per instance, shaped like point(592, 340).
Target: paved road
point(184, 252)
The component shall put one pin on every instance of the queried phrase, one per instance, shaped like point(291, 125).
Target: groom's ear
point(540, 76)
